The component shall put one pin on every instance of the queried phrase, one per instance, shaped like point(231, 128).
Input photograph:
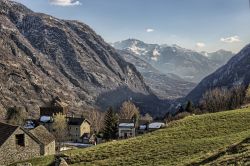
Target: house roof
point(42, 134)
point(126, 125)
point(156, 125)
point(6, 130)
point(76, 121)
point(126, 121)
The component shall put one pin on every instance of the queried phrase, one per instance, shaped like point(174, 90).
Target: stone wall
point(50, 149)
point(11, 152)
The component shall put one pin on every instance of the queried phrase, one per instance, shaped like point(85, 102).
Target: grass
point(40, 161)
point(184, 142)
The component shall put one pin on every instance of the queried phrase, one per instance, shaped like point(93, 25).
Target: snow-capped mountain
point(235, 72)
point(165, 86)
point(187, 64)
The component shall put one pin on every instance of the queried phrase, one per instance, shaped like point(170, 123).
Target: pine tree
point(110, 125)
point(189, 107)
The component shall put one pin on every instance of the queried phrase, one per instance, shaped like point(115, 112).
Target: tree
point(216, 100)
point(128, 110)
point(221, 99)
point(237, 97)
point(247, 95)
point(60, 128)
point(147, 117)
point(110, 125)
point(189, 107)
point(181, 109)
point(16, 115)
point(96, 119)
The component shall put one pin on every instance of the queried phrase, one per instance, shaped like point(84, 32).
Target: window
point(20, 139)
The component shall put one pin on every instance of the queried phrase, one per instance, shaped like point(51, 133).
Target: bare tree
point(237, 97)
point(223, 99)
point(128, 110)
point(147, 117)
point(60, 128)
point(247, 95)
point(215, 100)
point(96, 119)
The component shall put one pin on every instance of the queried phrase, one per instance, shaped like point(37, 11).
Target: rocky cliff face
point(235, 72)
point(42, 57)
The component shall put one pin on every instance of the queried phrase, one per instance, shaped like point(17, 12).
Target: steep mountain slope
point(219, 57)
point(189, 65)
point(165, 86)
point(42, 57)
point(235, 72)
point(185, 142)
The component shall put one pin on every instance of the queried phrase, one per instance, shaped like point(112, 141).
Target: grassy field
point(195, 140)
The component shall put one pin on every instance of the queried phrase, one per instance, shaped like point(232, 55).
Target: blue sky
point(195, 24)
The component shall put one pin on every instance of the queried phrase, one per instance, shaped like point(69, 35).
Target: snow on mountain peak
point(135, 49)
point(156, 53)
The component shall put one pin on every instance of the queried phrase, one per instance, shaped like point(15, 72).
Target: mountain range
point(165, 86)
point(235, 72)
point(189, 65)
point(42, 57)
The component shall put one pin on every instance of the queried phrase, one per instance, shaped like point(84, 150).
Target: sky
point(201, 25)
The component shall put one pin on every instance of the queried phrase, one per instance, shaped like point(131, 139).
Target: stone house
point(46, 139)
point(126, 128)
point(47, 113)
point(17, 144)
point(129, 128)
point(79, 129)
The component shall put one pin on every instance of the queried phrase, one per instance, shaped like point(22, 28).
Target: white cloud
point(65, 2)
point(200, 45)
point(149, 30)
point(231, 39)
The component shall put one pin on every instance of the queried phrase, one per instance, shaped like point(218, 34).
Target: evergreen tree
point(110, 125)
point(181, 109)
point(189, 107)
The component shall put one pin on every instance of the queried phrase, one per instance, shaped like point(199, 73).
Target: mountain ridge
point(188, 64)
point(43, 57)
point(165, 86)
point(231, 74)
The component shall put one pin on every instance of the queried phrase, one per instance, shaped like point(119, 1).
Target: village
point(50, 135)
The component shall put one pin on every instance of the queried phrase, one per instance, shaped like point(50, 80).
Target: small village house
point(46, 139)
point(130, 128)
point(126, 128)
point(17, 143)
point(79, 129)
point(47, 113)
